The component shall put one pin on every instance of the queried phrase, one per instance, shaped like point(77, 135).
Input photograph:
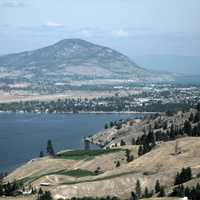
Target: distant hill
point(74, 60)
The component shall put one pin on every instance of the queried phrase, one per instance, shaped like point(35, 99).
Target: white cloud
point(11, 3)
point(120, 33)
point(86, 33)
point(53, 24)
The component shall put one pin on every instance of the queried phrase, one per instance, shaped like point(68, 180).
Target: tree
point(41, 154)
point(162, 192)
point(157, 186)
point(140, 150)
point(111, 124)
point(138, 189)
point(198, 106)
point(197, 117)
point(86, 144)
point(187, 127)
point(129, 157)
point(40, 193)
point(50, 149)
point(122, 143)
point(172, 132)
point(134, 196)
point(118, 164)
point(1, 189)
point(184, 176)
point(106, 126)
point(133, 141)
point(98, 170)
point(191, 118)
point(44, 195)
point(146, 193)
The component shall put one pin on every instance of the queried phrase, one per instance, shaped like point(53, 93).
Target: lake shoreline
point(84, 112)
point(28, 133)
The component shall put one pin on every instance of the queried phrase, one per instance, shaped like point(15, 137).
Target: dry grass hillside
point(134, 128)
point(75, 177)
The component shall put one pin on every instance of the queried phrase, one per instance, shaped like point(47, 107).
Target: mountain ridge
point(75, 60)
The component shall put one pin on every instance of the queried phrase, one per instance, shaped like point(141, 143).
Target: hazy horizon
point(153, 33)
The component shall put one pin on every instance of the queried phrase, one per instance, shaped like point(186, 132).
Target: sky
point(133, 27)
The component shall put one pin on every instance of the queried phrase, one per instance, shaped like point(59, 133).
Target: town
point(145, 98)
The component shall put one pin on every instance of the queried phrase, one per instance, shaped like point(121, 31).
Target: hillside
point(164, 144)
point(72, 62)
point(127, 130)
point(159, 164)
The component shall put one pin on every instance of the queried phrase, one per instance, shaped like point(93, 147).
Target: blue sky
point(134, 27)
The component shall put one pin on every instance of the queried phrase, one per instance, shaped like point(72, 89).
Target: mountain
point(74, 60)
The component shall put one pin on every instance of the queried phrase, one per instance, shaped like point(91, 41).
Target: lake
point(23, 136)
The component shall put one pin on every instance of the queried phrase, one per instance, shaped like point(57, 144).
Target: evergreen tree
point(106, 126)
point(40, 193)
point(140, 150)
point(172, 132)
point(134, 196)
point(157, 186)
point(191, 118)
point(133, 142)
point(86, 144)
point(1, 189)
point(122, 143)
point(162, 192)
point(138, 189)
point(45, 196)
point(187, 192)
point(118, 164)
point(111, 124)
point(187, 127)
point(184, 176)
point(197, 117)
point(198, 107)
point(129, 157)
point(50, 149)
point(146, 193)
point(41, 154)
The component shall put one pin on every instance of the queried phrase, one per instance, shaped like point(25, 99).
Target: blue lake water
point(23, 136)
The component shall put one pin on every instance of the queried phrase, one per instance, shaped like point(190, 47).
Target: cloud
point(53, 24)
point(11, 3)
point(86, 33)
point(120, 33)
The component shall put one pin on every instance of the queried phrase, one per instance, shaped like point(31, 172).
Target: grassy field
point(101, 179)
point(85, 154)
point(78, 173)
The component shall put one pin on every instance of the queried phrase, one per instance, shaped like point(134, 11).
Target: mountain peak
point(75, 59)
point(74, 41)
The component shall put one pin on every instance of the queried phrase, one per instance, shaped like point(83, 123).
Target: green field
point(85, 154)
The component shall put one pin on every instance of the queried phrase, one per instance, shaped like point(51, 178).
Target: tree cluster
point(159, 190)
point(184, 176)
point(146, 142)
point(182, 191)
point(44, 195)
point(10, 189)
